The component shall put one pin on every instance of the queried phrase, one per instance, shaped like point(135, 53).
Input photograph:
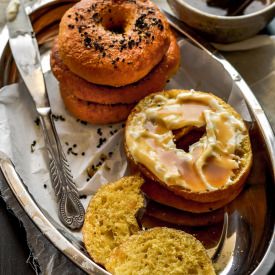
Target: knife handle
point(70, 209)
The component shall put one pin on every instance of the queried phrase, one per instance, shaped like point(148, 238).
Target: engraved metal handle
point(70, 209)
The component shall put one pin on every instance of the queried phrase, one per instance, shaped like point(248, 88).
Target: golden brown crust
point(113, 43)
point(207, 196)
point(153, 82)
point(92, 112)
point(160, 194)
point(178, 217)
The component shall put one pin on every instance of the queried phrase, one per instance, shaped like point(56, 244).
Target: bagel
point(113, 42)
point(153, 82)
point(215, 166)
point(181, 218)
point(162, 195)
point(92, 112)
point(160, 251)
point(110, 218)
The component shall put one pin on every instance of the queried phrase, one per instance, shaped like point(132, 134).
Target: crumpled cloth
point(40, 247)
point(255, 61)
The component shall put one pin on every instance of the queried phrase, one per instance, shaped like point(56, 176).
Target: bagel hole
point(191, 136)
point(115, 22)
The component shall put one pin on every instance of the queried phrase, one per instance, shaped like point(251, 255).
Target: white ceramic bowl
point(223, 29)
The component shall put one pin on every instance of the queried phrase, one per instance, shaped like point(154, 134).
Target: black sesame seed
point(37, 121)
point(32, 146)
point(87, 40)
point(74, 145)
point(96, 17)
point(99, 131)
point(140, 23)
point(131, 43)
point(45, 186)
point(83, 153)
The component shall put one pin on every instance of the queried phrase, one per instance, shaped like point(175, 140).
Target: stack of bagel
point(194, 151)
point(109, 54)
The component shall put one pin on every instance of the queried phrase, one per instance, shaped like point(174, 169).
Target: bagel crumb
point(111, 217)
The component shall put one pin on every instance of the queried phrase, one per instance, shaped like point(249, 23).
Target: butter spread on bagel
point(210, 162)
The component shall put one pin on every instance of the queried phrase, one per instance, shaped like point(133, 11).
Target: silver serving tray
point(249, 236)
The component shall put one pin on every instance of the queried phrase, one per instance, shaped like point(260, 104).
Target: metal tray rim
point(52, 233)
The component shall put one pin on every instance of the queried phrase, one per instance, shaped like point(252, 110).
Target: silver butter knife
point(27, 58)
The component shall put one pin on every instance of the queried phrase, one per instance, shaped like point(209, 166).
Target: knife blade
point(26, 55)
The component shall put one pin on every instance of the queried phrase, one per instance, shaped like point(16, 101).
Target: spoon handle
point(240, 8)
point(70, 209)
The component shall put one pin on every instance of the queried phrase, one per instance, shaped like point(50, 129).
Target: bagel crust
point(92, 112)
point(162, 195)
point(153, 82)
point(181, 218)
point(113, 42)
point(194, 190)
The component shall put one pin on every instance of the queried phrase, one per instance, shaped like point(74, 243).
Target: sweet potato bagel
point(92, 112)
point(212, 167)
point(162, 195)
point(113, 42)
point(153, 82)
